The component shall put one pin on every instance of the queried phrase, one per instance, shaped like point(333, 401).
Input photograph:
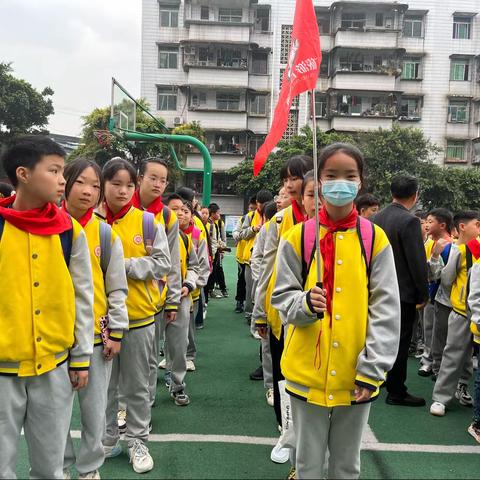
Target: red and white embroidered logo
point(98, 251)
point(137, 239)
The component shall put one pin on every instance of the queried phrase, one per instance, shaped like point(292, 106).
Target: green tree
point(22, 108)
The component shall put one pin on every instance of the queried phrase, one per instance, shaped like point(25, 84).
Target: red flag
point(300, 75)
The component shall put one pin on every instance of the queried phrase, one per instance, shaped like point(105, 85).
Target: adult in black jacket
point(404, 232)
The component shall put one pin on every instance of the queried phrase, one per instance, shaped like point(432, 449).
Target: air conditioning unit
point(389, 23)
point(177, 121)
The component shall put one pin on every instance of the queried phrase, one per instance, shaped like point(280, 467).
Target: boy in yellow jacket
point(46, 318)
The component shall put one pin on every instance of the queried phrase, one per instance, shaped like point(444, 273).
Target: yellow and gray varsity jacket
point(144, 272)
point(324, 360)
point(247, 233)
point(46, 308)
point(110, 287)
point(474, 302)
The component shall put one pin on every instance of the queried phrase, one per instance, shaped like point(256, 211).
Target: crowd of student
point(114, 277)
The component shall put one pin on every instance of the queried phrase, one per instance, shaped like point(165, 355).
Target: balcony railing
point(237, 64)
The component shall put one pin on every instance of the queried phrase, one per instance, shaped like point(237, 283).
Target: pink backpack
point(366, 234)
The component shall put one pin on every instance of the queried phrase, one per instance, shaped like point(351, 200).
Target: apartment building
point(220, 62)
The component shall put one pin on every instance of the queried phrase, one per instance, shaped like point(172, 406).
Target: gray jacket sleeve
point(174, 278)
point(288, 295)
point(474, 295)
point(192, 271)
point(237, 230)
point(247, 232)
point(383, 329)
point(116, 288)
point(154, 266)
point(450, 272)
point(435, 267)
point(257, 253)
point(204, 264)
point(81, 273)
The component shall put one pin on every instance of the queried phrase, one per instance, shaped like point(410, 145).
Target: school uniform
point(355, 344)
point(474, 313)
point(46, 320)
point(201, 249)
point(176, 333)
point(131, 369)
point(457, 355)
point(110, 292)
point(240, 246)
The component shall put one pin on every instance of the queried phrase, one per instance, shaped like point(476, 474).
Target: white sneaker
point(122, 421)
point(163, 364)
point(190, 366)
point(95, 475)
point(280, 455)
point(66, 474)
point(437, 409)
point(269, 396)
point(140, 457)
point(256, 335)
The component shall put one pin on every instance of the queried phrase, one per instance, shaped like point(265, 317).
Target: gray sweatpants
point(267, 363)
point(131, 370)
point(338, 430)
point(153, 362)
point(248, 295)
point(428, 321)
point(176, 343)
point(192, 347)
point(42, 405)
point(457, 354)
point(93, 404)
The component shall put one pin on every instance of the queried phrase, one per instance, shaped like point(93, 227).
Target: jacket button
point(340, 262)
point(333, 373)
point(340, 237)
point(330, 397)
point(39, 339)
point(37, 312)
point(338, 289)
point(335, 344)
point(34, 256)
point(36, 284)
point(337, 317)
point(39, 366)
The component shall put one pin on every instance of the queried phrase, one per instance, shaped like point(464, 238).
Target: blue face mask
point(339, 192)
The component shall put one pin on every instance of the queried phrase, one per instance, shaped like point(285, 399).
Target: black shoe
point(434, 377)
point(161, 353)
point(239, 307)
point(257, 374)
point(406, 401)
point(225, 293)
point(424, 372)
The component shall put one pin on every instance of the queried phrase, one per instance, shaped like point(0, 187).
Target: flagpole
point(317, 200)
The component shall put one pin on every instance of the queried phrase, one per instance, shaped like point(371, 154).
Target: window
point(168, 16)
point(286, 38)
point(460, 70)
point(455, 151)
point(352, 63)
point(230, 57)
point(413, 26)
point(258, 105)
point(324, 65)
point(167, 57)
point(228, 101)
point(230, 15)
point(292, 125)
point(353, 20)
point(296, 100)
point(323, 21)
point(411, 69)
point(410, 108)
point(379, 19)
point(228, 143)
point(166, 98)
point(199, 99)
point(320, 105)
point(349, 105)
point(262, 20)
point(254, 144)
point(204, 12)
point(462, 27)
point(458, 111)
point(259, 63)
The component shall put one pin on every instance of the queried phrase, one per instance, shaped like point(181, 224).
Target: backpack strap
point(366, 234)
point(469, 258)
point(446, 253)
point(148, 227)
point(166, 213)
point(105, 246)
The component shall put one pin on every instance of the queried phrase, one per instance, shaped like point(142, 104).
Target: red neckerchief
point(327, 248)
point(297, 212)
point(189, 229)
point(48, 220)
point(155, 207)
point(83, 220)
point(474, 246)
point(110, 215)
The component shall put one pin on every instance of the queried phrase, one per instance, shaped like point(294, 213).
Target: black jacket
point(405, 235)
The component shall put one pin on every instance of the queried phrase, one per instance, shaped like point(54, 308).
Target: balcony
point(326, 42)
point(216, 119)
point(367, 80)
point(363, 106)
point(360, 124)
point(261, 83)
point(221, 77)
point(220, 161)
point(258, 125)
point(367, 38)
point(229, 33)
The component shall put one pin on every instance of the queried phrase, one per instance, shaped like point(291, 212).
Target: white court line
point(369, 443)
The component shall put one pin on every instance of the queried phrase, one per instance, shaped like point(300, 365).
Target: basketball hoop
point(104, 137)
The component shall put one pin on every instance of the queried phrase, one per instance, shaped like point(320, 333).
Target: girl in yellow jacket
point(147, 261)
point(82, 194)
point(334, 365)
